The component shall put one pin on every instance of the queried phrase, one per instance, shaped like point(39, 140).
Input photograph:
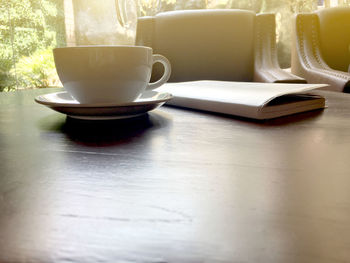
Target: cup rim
point(103, 46)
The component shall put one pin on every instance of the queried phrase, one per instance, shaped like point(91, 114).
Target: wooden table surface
point(174, 186)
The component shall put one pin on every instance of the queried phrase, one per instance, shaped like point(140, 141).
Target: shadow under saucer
point(111, 132)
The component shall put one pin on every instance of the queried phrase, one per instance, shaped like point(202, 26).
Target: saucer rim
point(146, 101)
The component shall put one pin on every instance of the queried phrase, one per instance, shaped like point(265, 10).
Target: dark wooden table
point(174, 186)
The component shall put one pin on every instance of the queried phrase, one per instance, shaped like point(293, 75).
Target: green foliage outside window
point(28, 29)
point(37, 70)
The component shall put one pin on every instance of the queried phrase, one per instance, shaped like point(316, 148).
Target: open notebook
point(246, 99)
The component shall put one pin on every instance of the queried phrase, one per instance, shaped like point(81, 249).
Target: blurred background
point(30, 29)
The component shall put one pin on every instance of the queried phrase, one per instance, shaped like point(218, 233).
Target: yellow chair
point(231, 45)
point(320, 50)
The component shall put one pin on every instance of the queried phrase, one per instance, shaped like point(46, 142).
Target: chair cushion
point(335, 36)
point(206, 44)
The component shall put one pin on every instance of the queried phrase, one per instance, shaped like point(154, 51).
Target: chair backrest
point(335, 36)
point(202, 44)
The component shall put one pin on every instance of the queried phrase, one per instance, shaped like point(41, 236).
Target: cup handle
point(166, 75)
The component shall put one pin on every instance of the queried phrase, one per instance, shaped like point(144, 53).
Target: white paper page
point(244, 93)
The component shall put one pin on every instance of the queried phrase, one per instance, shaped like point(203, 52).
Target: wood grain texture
point(174, 186)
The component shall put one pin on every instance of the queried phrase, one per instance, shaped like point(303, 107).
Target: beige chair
point(320, 50)
point(232, 45)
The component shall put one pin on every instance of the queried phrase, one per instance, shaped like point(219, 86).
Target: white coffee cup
point(108, 74)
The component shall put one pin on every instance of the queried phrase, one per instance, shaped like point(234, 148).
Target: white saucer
point(64, 103)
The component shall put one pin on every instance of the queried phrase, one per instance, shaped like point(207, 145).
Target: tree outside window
point(28, 32)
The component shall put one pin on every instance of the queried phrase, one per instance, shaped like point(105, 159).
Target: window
point(29, 29)
point(28, 32)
